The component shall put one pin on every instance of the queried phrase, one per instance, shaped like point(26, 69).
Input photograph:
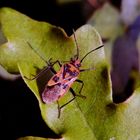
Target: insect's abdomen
point(51, 94)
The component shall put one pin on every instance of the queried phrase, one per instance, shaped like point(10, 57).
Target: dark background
point(68, 16)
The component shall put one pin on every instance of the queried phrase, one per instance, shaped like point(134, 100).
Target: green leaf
point(7, 76)
point(93, 118)
point(75, 121)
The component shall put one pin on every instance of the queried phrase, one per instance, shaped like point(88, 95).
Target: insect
point(60, 83)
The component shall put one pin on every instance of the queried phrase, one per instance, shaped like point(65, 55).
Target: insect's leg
point(59, 109)
point(59, 63)
point(82, 84)
point(49, 67)
point(74, 96)
point(52, 63)
point(89, 69)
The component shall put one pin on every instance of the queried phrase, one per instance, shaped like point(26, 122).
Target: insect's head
point(75, 62)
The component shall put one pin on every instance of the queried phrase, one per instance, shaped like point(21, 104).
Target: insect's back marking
point(73, 73)
point(70, 70)
point(64, 86)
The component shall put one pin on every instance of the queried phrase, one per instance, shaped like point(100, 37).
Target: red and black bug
point(62, 80)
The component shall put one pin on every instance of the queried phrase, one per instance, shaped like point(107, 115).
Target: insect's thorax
point(66, 73)
point(70, 70)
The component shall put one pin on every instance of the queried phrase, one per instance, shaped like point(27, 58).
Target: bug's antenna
point(36, 52)
point(91, 52)
point(77, 55)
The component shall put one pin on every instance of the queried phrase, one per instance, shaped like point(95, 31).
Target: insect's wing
point(66, 84)
point(56, 78)
point(53, 93)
